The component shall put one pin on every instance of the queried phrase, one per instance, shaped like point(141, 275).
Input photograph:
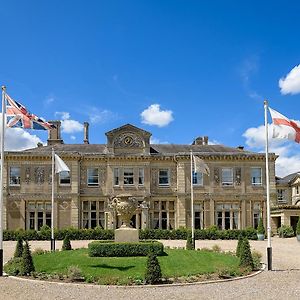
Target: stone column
point(145, 213)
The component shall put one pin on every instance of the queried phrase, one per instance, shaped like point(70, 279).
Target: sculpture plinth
point(125, 206)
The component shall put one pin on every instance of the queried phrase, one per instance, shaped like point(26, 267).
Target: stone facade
point(159, 176)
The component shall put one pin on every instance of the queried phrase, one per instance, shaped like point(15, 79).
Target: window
point(15, 176)
point(92, 176)
point(297, 190)
point(64, 178)
point(116, 176)
point(197, 178)
point(227, 216)
point(281, 196)
point(128, 176)
point(93, 214)
point(163, 216)
point(256, 178)
point(163, 177)
point(141, 176)
point(198, 216)
point(227, 176)
point(38, 214)
point(256, 214)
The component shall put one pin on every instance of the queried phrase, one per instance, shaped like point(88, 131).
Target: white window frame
point(228, 182)
point(161, 177)
point(63, 176)
point(141, 176)
point(16, 179)
point(35, 208)
point(98, 211)
point(116, 177)
point(254, 178)
point(94, 177)
point(128, 179)
point(197, 178)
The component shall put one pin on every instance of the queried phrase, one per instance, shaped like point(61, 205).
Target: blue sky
point(179, 69)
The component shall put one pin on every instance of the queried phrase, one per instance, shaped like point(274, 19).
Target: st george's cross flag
point(200, 166)
point(18, 116)
point(284, 128)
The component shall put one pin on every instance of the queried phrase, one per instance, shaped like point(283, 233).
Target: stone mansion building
point(158, 175)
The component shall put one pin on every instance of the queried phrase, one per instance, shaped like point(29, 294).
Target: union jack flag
point(18, 116)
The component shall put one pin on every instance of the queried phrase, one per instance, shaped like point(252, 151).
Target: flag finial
point(266, 102)
point(3, 87)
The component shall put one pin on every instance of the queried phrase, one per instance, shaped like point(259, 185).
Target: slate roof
point(287, 179)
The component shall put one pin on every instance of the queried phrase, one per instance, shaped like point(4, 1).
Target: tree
point(189, 242)
point(19, 248)
point(260, 227)
point(246, 259)
point(153, 270)
point(28, 265)
point(239, 245)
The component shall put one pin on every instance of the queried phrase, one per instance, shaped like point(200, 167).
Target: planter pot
point(260, 236)
point(298, 237)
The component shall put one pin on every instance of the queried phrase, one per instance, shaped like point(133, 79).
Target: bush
point(74, 273)
point(245, 255)
point(298, 227)
point(66, 243)
point(104, 249)
point(216, 248)
point(19, 248)
point(260, 227)
point(286, 231)
point(28, 266)
point(14, 266)
point(239, 245)
point(190, 245)
point(153, 270)
point(256, 257)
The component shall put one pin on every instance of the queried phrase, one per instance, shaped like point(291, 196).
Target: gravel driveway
point(281, 283)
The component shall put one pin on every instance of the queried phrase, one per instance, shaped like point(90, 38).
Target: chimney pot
point(86, 133)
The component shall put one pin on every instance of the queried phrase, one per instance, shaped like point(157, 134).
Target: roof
point(287, 179)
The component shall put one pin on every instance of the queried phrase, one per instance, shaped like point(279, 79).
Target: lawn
point(126, 270)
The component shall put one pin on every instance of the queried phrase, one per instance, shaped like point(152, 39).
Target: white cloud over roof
point(68, 125)
point(153, 115)
point(290, 84)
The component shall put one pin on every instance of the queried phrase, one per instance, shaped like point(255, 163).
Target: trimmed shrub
point(104, 249)
point(19, 248)
point(28, 266)
point(260, 227)
point(256, 257)
point(190, 245)
point(239, 245)
point(74, 273)
point(66, 243)
point(14, 267)
point(286, 231)
point(153, 270)
point(245, 255)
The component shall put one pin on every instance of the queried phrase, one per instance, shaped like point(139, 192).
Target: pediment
point(295, 180)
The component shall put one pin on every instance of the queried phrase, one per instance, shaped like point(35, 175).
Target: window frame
point(141, 174)
point(162, 177)
point(254, 177)
point(197, 178)
point(227, 183)
point(61, 174)
point(128, 177)
point(93, 176)
point(15, 177)
point(116, 177)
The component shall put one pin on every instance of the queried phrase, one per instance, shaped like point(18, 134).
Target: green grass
point(125, 270)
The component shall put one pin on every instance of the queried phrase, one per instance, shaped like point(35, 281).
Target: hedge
point(145, 234)
point(110, 248)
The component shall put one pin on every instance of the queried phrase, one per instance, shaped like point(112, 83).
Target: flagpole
point(1, 177)
point(192, 202)
point(269, 248)
point(52, 203)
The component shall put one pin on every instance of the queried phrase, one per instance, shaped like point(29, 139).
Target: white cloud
point(288, 161)
point(68, 125)
point(17, 139)
point(49, 100)
point(153, 115)
point(290, 84)
point(97, 116)
point(156, 141)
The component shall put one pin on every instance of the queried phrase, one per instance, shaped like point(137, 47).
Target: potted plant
point(298, 230)
point(260, 230)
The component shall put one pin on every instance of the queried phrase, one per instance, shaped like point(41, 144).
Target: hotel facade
point(157, 175)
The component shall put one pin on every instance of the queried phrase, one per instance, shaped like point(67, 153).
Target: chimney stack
point(198, 141)
point(86, 133)
point(205, 140)
point(54, 136)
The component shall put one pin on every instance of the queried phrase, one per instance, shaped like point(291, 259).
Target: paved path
point(282, 283)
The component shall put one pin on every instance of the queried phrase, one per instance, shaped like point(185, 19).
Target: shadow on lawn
point(105, 266)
